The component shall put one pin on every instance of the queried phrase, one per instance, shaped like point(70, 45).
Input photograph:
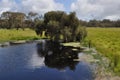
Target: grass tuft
point(107, 42)
point(13, 35)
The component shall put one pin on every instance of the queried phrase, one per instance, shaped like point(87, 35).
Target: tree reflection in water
point(57, 56)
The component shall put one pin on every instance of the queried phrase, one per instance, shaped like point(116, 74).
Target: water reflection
point(57, 56)
point(36, 61)
point(42, 61)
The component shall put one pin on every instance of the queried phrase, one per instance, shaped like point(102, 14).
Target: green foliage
point(53, 29)
point(66, 32)
point(107, 42)
point(81, 33)
point(10, 20)
point(59, 23)
point(39, 27)
point(13, 19)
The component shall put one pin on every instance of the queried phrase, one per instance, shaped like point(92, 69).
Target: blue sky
point(85, 9)
point(18, 1)
point(66, 3)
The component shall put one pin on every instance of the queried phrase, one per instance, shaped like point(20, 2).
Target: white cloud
point(7, 5)
point(85, 9)
point(97, 9)
point(39, 6)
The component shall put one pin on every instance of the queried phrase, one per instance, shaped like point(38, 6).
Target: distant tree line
point(18, 20)
point(101, 23)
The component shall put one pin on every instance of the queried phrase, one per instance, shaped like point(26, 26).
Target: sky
point(85, 9)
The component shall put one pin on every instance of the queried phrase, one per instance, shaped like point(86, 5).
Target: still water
point(42, 61)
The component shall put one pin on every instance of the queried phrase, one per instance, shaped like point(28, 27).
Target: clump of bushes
point(58, 23)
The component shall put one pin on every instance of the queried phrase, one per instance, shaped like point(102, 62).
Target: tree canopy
point(58, 23)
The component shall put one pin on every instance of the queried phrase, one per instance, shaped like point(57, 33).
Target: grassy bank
point(13, 35)
point(107, 42)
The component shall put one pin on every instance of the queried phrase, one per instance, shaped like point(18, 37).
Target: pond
point(43, 60)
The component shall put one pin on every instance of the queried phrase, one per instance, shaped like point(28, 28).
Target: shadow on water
point(57, 56)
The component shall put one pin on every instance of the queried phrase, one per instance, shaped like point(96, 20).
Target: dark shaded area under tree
point(57, 56)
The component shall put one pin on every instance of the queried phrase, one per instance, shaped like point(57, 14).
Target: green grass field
point(13, 35)
point(107, 42)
